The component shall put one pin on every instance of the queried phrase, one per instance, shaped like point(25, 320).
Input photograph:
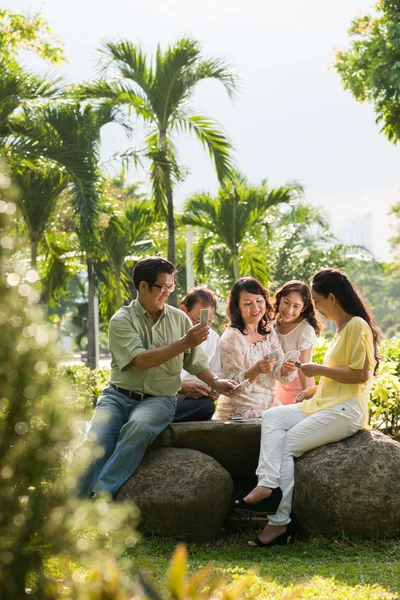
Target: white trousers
point(287, 432)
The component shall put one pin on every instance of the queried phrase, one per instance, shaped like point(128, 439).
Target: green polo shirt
point(132, 331)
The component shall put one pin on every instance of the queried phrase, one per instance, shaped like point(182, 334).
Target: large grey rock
point(351, 487)
point(181, 493)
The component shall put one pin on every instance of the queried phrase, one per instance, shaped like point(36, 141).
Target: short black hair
point(149, 269)
point(201, 295)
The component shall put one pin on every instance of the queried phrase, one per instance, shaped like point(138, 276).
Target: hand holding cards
point(292, 355)
point(240, 384)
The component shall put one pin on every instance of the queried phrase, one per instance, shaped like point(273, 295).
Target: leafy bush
point(384, 406)
point(390, 352)
point(85, 385)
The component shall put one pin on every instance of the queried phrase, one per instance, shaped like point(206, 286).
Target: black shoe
point(267, 506)
point(282, 540)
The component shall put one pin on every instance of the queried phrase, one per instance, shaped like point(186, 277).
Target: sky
point(291, 118)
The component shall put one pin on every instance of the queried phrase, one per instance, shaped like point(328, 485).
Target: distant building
point(357, 231)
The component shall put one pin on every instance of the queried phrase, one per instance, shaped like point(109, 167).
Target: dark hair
point(149, 269)
point(201, 295)
point(333, 281)
point(304, 291)
point(251, 285)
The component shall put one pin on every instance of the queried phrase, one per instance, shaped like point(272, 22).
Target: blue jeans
point(123, 429)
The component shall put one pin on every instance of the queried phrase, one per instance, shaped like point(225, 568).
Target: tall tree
point(158, 92)
point(40, 184)
point(230, 224)
point(69, 134)
point(369, 69)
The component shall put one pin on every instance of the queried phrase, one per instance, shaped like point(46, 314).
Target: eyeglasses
point(165, 289)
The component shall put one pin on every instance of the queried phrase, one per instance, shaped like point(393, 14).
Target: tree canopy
point(370, 68)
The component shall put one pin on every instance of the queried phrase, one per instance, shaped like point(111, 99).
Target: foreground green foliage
point(41, 523)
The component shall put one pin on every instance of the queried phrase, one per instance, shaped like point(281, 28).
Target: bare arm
point(305, 382)
point(157, 356)
point(341, 374)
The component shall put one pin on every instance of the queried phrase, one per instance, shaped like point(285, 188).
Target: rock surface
point(234, 445)
point(181, 493)
point(351, 487)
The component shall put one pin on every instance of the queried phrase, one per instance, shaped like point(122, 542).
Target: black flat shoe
point(267, 506)
point(282, 540)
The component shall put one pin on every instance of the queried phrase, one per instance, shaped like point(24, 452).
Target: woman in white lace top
point(245, 346)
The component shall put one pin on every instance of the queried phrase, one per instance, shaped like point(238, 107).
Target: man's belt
point(129, 393)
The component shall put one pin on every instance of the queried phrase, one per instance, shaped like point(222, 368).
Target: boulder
point(181, 493)
point(350, 487)
point(234, 445)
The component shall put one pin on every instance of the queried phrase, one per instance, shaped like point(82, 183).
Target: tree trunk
point(173, 301)
point(34, 249)
point(236, 268)
point(118, 291)
point(91, 348)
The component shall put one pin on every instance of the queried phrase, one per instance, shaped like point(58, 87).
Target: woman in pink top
point(297, 326)
point(245, 346)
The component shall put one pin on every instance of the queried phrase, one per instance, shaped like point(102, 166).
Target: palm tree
point(68, 133)
point(126, 234)
point(231, 222)
point(159, 94)
point(40, 184)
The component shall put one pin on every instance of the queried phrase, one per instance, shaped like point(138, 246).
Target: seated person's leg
point(109, 417)
point(149, 417)
point(194, 409)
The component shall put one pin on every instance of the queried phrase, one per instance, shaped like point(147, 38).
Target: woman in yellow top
point(331, 411)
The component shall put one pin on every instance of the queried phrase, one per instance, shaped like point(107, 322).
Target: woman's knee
point(272, 415)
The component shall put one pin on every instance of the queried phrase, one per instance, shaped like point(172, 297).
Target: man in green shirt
point(150, 342)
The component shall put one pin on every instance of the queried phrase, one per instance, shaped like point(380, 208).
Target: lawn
point(317, 568)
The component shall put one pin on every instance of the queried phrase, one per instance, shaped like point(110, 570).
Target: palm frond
point(209, 133)
point(40, 184)
point(129, 61)
point(57, 275)
point(19, 88)
point(200, 251)
point(118, 93)
point(217, 69)
point(170, 88)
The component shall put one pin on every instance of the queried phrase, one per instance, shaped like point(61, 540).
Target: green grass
point(318, 569)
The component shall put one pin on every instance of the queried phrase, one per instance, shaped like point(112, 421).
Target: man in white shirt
point(196, 399)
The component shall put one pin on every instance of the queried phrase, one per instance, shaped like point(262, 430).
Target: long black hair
point(333, 281)
point(252, 286)
point(304, 292)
